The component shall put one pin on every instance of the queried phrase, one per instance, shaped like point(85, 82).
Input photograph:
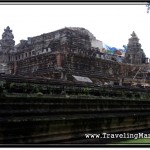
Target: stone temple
point(58, 87)
point(134, 54)
point(66, 54)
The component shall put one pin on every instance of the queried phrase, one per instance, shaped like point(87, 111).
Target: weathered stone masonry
point(67, 52)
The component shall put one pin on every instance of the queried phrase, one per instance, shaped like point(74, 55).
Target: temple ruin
point(62, 88)
point(70, 52)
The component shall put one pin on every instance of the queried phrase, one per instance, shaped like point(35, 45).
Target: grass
point(135, 141)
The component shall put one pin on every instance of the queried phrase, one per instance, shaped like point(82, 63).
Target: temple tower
point(7, 41)
point(7, 44)
point(6, 47)
point(134, 54)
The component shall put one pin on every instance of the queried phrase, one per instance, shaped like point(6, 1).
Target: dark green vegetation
point(57, 89)
point(135, 141)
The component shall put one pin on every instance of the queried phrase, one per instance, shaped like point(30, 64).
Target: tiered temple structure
point(58, 87)
point(64, 112)
point(68, 54)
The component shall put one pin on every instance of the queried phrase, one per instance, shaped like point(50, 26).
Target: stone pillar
point(59, 59)
point(15, 68)
point(120, 81)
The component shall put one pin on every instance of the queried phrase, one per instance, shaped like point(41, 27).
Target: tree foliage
point(148, 7)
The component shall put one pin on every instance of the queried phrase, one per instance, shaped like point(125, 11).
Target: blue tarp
point(114, 50)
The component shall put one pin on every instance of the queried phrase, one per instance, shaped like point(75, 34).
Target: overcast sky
point(111, 24)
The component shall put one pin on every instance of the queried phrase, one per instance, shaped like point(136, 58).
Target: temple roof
point(83, 31)
point(134, 35)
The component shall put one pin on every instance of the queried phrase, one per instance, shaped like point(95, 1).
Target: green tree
point(148, 7)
